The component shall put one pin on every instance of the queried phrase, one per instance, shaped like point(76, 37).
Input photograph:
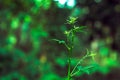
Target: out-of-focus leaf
point(61, 62)
point(85, 69)
point(59, 41)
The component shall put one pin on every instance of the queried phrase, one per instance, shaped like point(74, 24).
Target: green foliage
point(21, 34)
point(27, 25)
point(14, 75)
point(72, 20)
point(43, 3)
point(69, 44)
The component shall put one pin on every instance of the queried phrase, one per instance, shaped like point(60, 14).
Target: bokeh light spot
point(12, 39)
point(15, 23)
point(69, 3)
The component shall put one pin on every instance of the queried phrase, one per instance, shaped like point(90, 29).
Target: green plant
point(69, 44)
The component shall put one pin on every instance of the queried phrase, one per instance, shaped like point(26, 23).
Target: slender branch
point(69, 67)
point(67, 46)
point(69, 54)
point(75, 73)
point(78, 64)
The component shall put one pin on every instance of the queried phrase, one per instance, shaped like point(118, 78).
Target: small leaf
point(59, 41)
point(79, 29)
point(92, 55)
point(71, 20)
point(55, 40)
point(66, 32)
point(80, 68)
point(87, 51)
point(88, 67)
point(85, 69)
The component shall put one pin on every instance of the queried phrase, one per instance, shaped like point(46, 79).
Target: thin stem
point(69, 67)
point(75, 73)
point(69, 54)
point(78, 64)
point(67, 46)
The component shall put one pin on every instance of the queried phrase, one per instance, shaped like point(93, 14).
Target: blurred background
point(27, 27)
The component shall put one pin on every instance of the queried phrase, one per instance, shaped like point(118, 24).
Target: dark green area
point(27, 28)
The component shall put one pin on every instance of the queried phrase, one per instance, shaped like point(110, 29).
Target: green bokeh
point(27, 28)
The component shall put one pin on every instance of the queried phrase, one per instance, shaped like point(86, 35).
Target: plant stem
point(70, 51)
point(72, 73)
point(69, 67)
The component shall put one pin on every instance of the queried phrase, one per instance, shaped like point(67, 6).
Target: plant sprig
point(73, 72)
point(69, 44)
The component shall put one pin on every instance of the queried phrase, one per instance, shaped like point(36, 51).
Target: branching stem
point(79, 62)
